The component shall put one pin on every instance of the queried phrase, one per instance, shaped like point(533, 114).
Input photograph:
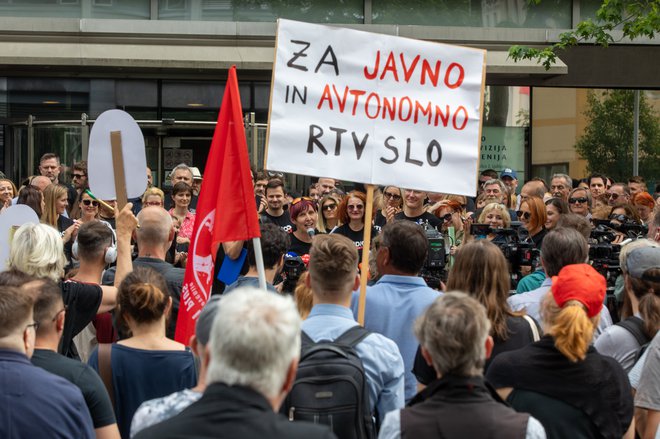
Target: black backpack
point(331, 387)
point(635, 326)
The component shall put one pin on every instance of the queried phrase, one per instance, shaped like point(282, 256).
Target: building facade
point(64, 62)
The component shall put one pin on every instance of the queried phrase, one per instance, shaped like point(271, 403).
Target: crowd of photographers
point(517, 313)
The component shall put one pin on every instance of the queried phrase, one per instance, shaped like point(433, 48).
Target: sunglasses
point(525, 215)
point(355, 207)
point(153, 203)
point(332, 206)
point(621, 218)
point(299, 199)
point(78, 176)
point(446, 217)
point(612, 195)
point(580, 200)
point(90, 203)
point(395, 197)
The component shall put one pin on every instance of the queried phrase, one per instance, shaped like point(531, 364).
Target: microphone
point(311, 232)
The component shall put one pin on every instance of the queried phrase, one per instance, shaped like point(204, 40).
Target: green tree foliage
point(607, 143)
point(637, 18)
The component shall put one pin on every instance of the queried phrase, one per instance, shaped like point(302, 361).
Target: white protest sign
point(100, 169)
point(11, 219)
point(375, 109)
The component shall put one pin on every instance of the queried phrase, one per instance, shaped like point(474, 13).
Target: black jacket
point(232, 412)
point(460, 407)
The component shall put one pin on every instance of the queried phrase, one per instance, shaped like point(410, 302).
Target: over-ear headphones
point(110, 255)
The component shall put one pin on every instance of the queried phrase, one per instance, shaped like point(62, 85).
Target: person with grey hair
point(184, 173)
point(253, 357)
point(496, 192)
point(560, 186)
point(454, 337)
point(561, 247)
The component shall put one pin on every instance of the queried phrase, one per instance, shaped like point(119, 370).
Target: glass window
point(485, 13)
point(41, 8)
point(47, 98)
point(318, 11)
point(124, 9)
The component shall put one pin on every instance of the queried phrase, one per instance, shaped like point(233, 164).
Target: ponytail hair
point(143, 296)
point(570, 327)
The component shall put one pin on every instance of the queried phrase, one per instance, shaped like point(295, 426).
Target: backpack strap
point(635, 326)
point(353, 336)
point(105, 369)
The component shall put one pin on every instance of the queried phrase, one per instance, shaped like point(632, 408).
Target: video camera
point(434, 271)
point(515, 244)
point(294, 267)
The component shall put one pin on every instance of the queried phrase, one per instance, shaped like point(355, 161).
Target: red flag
point(226, 209)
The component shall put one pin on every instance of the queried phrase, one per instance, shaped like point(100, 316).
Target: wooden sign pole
point(364, 272)
point(118, 167)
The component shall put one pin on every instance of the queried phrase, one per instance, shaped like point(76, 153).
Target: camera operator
point(561, 247)
point(274, 243)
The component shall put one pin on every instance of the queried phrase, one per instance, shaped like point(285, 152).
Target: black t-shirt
point(299, 247)
point(284, 221)
point(380, 219)
point(356, 237)
point(83, 377)
point(520, 334)
point(421, 219)
point(82, 302)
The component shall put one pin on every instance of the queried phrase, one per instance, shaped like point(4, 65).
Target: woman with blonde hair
point(328, 218)
point(56, 198)
point(497, 216)
point(562, 380)
point(153, 196)
point(7, 192)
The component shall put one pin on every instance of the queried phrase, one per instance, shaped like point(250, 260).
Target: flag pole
point(364, 272)
point(258, 256)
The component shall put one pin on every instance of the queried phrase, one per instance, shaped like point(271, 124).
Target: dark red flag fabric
point(226, 209)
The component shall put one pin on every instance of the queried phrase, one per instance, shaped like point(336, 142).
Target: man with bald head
point(154, 237)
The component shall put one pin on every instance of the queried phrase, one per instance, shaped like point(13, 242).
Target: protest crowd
point(528, 311)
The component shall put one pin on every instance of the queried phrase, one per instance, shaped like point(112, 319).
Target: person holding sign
point(304, 216)
point(351, 214)
point(413, 209)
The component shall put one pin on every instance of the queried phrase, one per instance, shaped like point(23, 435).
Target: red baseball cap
point(580, 282)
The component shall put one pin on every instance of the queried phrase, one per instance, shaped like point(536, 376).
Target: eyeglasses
point(395, 197)
point(34, 325)
point(521, 214)
point(299, 199)
point(78, 176)
point(355, 207)
point(620, 217)
point(612, 195)
point(90, 203)
point(580, 200)
point(332, 206)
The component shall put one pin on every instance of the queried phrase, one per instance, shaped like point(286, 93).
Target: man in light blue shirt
point(561, 247)
point(332, 278)
point(400, 296)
